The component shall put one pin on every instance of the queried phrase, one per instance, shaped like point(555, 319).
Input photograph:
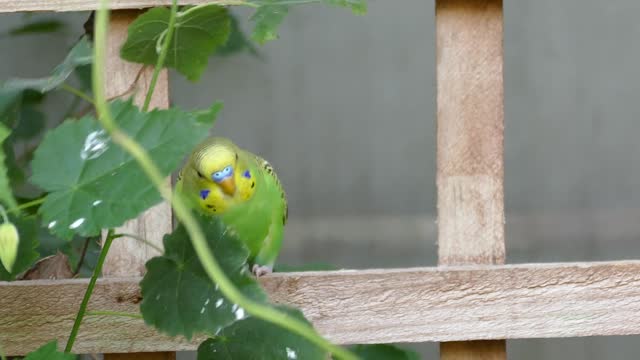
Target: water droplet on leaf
point(52, 224)
point(97, 202)
point(95, 144)
point(76, 224)
point(239, 314)
point(291, 354)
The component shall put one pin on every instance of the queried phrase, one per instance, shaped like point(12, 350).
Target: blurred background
point(344, 108)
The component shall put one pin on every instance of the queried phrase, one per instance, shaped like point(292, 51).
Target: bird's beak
point(228, 185)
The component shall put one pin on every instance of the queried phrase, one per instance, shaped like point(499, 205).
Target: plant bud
point(9, 241)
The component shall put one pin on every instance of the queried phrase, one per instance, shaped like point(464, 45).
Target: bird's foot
point(261, 270)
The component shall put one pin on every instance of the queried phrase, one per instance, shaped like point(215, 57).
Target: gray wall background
point(344, 107)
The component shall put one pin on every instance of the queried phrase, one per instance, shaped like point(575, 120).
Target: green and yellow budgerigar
point(221, 179)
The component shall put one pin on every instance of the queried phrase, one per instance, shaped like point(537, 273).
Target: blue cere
point(218, 176)
point(204, 194)
point(247, 174)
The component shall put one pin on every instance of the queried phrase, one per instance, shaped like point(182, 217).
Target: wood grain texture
point(470, 132)
point(473, 350)
point(128, 256)
point(470, 129)
point(455, 303)
point(83, 5)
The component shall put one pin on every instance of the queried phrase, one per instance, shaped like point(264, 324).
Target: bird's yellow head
point(218, 164)
point(218, 175)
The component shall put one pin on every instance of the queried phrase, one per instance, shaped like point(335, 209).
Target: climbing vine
point(104, 163)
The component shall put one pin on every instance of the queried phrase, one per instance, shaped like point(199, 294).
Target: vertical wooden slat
point(128, 256)
point(470, 145)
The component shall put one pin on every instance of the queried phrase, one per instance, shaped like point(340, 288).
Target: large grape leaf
point(199, 31)
point(27, 253)
point(178, 298)
point(93, 183)
point(253, 338)
point(49, 351)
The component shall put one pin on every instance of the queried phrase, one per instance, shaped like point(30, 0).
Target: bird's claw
point(260, 270)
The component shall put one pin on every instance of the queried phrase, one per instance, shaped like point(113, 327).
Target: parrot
point(242, 189)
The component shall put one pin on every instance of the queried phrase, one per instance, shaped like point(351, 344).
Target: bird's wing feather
point(268, 169)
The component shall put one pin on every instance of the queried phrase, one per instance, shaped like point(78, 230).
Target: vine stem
point(28, 204)
point(89, 291)
point(162, 56)
point(77, 92)
point(142, 240)
point(182, 211)
point(168, 37)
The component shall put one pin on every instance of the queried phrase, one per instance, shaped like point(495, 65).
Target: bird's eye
point(227, 170)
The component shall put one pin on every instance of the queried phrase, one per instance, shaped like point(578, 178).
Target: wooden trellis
point(470, 302)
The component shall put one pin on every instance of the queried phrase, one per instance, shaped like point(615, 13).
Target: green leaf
point(267, 18)
point(83, 74)
point(14, 170)
point(6, 195)
point(32, 122)
point(51, 245)
point(80, 54)
point(209, 116)
point(38, 27)
point(10, 101)
point(384, 352)
point(94, 184)
point(270, 14)
point(237, 42)
point(178, 298)
point(253, 338)
point(49, 351)
point(357, 6)
point(27, 253)
point(199, 31)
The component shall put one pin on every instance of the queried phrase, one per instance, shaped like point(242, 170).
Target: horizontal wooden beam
point(84, 5)
point(368, 306)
